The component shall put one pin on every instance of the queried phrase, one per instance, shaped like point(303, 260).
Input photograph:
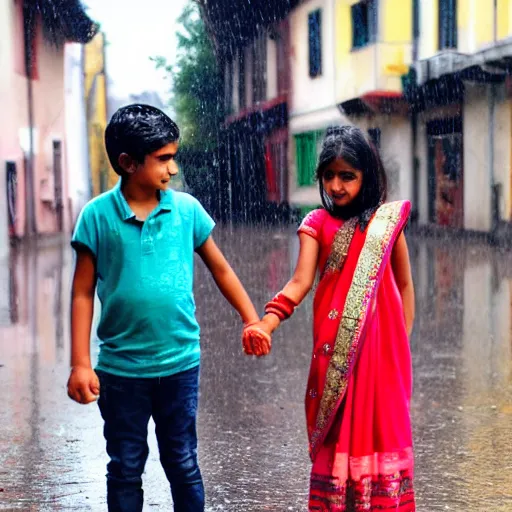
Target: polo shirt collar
point(166, 202)
point(124, 208)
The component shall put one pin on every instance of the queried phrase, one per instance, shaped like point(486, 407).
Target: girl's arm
point(227, 281)
point(401, 266)
point(302, 280)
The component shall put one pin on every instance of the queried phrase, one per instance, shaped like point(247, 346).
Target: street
point(253, 447)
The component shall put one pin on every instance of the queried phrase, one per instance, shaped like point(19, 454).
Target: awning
point(490, 64)
point(376, 102)
point(262, 117)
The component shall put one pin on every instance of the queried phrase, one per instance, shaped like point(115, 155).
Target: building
point(80, 187)
point(459, 92)
point(320, 63)
point(347, 61)
point(102, 175)
point(428, 81)
point(33, 148)
point(313, 105)
point(253, 48)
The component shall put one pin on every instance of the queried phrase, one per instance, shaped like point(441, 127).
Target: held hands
point(83, 385)
point(256, 337)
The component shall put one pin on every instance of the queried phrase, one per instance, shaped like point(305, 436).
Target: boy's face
point(157, 169)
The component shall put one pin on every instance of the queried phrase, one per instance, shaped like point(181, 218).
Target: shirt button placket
point(147, 245)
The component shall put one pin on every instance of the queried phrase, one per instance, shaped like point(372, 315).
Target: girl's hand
point(256, 341)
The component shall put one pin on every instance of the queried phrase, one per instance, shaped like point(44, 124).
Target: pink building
point(33, 170)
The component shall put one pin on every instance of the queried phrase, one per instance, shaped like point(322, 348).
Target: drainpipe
point(86, 123)
point(495, 20)
point(495, 187)
point(30, 221)
point(414, 127)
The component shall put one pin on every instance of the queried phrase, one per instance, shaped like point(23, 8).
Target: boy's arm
point(227, 281)
point(83, 385)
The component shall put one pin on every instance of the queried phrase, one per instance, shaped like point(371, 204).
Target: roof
point(231, 23)
point(62, 20)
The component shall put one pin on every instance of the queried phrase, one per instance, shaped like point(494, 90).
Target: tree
point(197, 83)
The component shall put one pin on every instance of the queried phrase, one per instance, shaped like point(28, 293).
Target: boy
point(135, 245)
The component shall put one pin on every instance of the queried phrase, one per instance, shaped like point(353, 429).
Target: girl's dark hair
point(350, 143)
point(138, 130)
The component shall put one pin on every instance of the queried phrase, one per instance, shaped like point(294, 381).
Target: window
point(276, 159)
point(364, 23)
point(447, 24)
point(307, 150)
point(228, 86)
point(25, 61)
point(315, 43)
point(241, 79)
point(374, 134)
point(259, 74)
point(282, 50)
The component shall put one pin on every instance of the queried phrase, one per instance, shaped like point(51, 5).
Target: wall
point(477, 183)
point(429, 23)
point(422, 155)
point(49, 120)
point(504, 28)
point(377, 66)
point(311, 94)
point(475, 25)
point(396, 144)
point(76, 130)
point(271, 69)
point(49, 115)
point(502, 153)
point(11, 117)
point(13, 91)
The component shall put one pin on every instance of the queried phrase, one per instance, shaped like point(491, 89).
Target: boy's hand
point(256, 339)
point(83, 385)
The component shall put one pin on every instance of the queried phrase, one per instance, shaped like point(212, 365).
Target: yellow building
point(102, 175)
point(374, 49)
point(347, 62)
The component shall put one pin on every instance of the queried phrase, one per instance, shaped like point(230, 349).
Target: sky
point(135, 31)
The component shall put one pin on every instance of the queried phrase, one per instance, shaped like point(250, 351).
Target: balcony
point(377, 67)
point(492, 63)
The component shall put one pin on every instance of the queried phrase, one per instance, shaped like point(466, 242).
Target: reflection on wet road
point(253, 448)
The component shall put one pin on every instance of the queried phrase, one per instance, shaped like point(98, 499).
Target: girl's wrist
point(271, 320)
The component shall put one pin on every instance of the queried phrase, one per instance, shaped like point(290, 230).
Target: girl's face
point(342, 182)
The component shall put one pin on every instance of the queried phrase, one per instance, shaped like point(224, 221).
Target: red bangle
point(281, 306)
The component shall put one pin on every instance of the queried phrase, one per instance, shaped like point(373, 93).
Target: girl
point(359, 387)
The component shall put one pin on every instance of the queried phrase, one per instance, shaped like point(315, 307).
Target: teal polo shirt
point(145, 279)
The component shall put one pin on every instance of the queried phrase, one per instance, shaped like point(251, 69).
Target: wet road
point(253, 448)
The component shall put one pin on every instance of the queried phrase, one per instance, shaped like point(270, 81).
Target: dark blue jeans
point(126, 404)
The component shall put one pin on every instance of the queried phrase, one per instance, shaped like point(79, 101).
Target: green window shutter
point(307, 149)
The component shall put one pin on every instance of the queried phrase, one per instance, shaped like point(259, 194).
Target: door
point(446, 187)
point(57, 177)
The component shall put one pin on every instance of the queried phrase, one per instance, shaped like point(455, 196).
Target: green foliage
point(197, 83)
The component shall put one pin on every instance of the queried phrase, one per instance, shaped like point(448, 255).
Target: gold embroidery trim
point(340, 246)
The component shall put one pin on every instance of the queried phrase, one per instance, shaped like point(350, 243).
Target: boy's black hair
point(350, 143)
point(138, 130)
